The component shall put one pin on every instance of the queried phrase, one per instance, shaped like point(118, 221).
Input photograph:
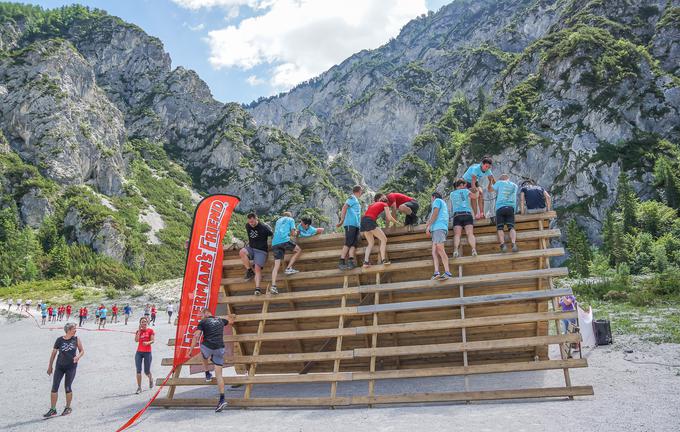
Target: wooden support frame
point(396, 324)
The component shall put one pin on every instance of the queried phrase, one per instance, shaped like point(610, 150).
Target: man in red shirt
point(49, 313)
point(81, 316)
point(114, 313)
point(371, 230)
point(404, 204)
point(68, 312)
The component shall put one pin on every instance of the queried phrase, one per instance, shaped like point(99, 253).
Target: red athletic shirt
point(68, 309)
point(374, 210)
point(85, 311)
point(49, 310)
point(153, 311)
point(398, 198)
point(114, 310)
point(144, 336)
point(81, 312)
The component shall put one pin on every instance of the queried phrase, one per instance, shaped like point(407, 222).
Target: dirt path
point(628, 396)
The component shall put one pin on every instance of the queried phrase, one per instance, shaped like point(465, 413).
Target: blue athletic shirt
point(442, 221)
point(310, 231)
point(506, 194)
point(282, 230)
point(102, 313)
point(460, 201)
point(353, 214)
point(476, 170)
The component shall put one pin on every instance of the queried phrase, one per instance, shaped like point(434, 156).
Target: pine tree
point(626, 202)
point(608, 236)
point(578, 247)
point(668, 181)
point(60, 260)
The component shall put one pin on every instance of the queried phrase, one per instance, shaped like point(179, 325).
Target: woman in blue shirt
point(462, 216)
point(438, 228)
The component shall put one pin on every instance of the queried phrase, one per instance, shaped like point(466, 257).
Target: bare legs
point(346, 250)
point(243, 253)
point(275, 270)
point(438, 252)
point(139, 380)
point(370, 239)
point(470, 233)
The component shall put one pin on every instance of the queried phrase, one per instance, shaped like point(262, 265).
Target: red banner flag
point(203, 272)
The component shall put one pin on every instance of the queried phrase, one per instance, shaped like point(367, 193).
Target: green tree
point(578, 247)
point(668, 181)
point(60, 259)
point(655, 218)
point(626, 202)
point(608, 236)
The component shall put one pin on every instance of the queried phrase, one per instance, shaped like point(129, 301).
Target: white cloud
point(197, 27)
point(302, 38)
point(253, 80)
point(199, 4)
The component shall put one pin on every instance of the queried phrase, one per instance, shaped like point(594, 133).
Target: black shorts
point(505, 216)
point(351, 236)
point(280, 249)
point(412, 219)
point(462, 219)
point(368, 224)
point(469, 185)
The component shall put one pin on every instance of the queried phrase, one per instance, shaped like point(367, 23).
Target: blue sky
point(245, 49)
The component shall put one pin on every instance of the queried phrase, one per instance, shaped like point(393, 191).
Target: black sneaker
point(350, 264)
point(208, 377)
point(51, 413)
point(66, 411)
point(342, 265)
point(249, 274)
point(515, 248)
point(504, 248)
point(222, 404)
point(258, 291)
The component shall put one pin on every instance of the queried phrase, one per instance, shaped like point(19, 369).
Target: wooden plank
point(410, 246)
point(418, 284)
point(408, 265)
point(532, 393)
point(388, 374)
point(460, 301)
point(338, 341)
point(256, 349)
point(496, 344)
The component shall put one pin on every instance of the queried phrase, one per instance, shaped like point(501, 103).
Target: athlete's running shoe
point(445, 275)
point(222, 404)
point(258, 291)
point(66, 411)
point(515, 248)
point(342, 265)
point(273, 290)
point(290, 271)
point(474, 252)
point(208, 376)
point(250, 273)
point(51, 413)
point(504, 248)
point(350, 264)
point(139, 390)
point(435, 276)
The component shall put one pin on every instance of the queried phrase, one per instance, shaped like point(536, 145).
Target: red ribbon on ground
point(40, 326)
point(139, 413)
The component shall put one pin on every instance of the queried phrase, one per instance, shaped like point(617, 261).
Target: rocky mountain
point(105, 148)
point(569, 93)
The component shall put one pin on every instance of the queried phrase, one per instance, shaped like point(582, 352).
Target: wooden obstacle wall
point(393, 322)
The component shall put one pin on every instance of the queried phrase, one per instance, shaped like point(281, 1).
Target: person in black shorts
point(70, 350)
point(254, 256)
point(211, 328)
point(403, 204)
point(506, 206)
point(461, 207)
point(350, 218)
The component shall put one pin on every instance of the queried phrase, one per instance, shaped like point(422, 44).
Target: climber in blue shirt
point(472, 176)
point(506, 206)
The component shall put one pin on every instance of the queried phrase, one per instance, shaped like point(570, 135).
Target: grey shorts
point(214, 355)
point(259, 257)
point(535, 211)
point(439, 236)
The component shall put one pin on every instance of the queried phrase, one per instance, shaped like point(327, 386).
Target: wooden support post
point(338, 342)
point(296, 324)
point(461, 294)
point(256, 350)
point(171, 389)
point(544, 245)
point(374, 340)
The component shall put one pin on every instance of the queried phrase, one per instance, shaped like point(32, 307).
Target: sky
point(245, 49)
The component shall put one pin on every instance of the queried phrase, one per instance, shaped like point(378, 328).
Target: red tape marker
point(79, 328)
point(139, 413)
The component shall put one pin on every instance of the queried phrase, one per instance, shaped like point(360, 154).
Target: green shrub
point(136, 293)
point(79, 294)
point(664, 284)
point(641, 297)
point(111, 293)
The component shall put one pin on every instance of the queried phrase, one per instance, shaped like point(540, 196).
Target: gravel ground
point(633, 392)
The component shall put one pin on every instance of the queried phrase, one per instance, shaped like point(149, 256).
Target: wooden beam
point(420, 284)
point(532, 393)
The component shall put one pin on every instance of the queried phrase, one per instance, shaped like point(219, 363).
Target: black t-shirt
point(213, 331)
point(257, 237)
point(534, 197)
point(67, 350)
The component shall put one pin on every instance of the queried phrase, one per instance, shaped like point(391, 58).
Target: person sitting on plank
point(305, 228)
point(506, 205)
point(472, 176)
point(371, 230)
point(284, 232)
point(350, 220)
point(462, 216)
point(438, 227)
point(254, 256)
point(404, 204)
point(533, 198)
